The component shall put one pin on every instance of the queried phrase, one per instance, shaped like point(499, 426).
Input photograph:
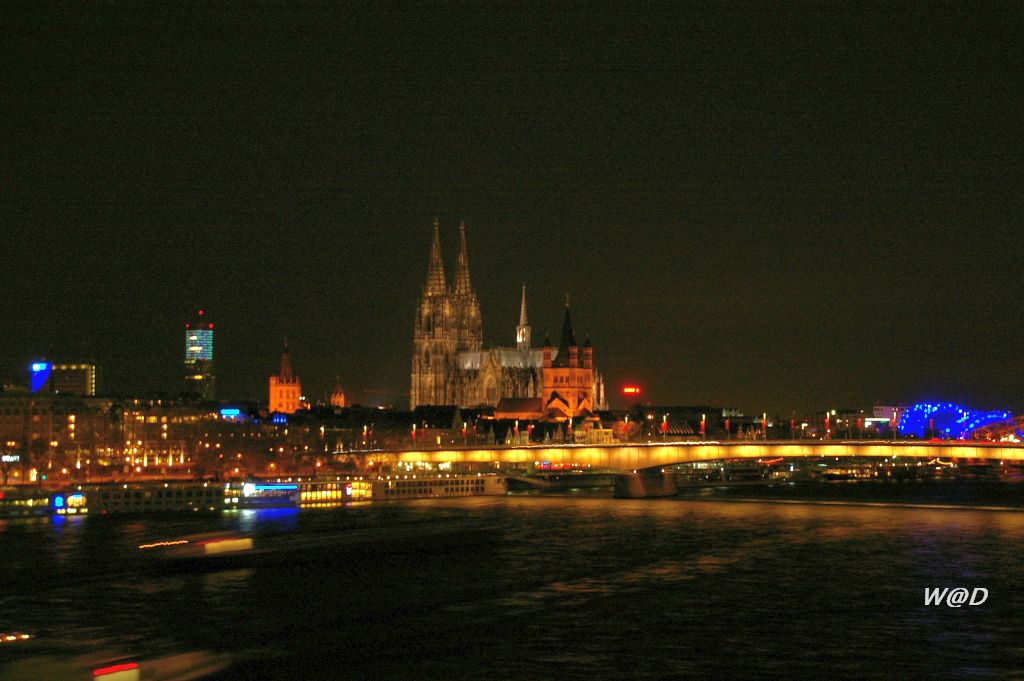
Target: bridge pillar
point(644, 483)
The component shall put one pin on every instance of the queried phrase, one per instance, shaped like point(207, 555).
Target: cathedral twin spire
point(467, 307)
point(435, 273)
point(462, 283)
point(450, 314)
point(436, 284)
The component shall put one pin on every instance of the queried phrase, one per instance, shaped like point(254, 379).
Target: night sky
point(784, 210)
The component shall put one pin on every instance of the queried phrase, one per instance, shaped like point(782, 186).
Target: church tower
point(568, 381)
point(468, 324)
point(435, 335)
point(285, 389)
point(338, 395)
point(523, 330)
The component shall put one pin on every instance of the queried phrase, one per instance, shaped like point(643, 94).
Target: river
point(573, 588)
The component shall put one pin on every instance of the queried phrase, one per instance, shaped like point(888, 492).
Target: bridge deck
point(636, 456)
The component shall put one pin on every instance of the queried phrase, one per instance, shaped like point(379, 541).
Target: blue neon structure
point(279, 418)
point(58, 501)
point(40, 375)
point(260, 488)
point(230, 412)
point(948, 420)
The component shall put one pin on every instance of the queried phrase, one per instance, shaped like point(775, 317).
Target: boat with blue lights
point(331, 490)
point(260, 494)
point(169, 496)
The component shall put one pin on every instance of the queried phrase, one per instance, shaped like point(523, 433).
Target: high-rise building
point(285, 389)
point(199, 372)
point(80, 378)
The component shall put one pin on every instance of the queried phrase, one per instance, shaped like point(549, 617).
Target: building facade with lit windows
point(450, 366)
point(48, 432)
point(79, 378)
point(199, 368)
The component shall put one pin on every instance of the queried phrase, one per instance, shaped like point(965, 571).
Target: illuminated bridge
point(645, 461)
point(628, 457)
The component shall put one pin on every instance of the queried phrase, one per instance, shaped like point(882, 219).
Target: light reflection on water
point(576, 588)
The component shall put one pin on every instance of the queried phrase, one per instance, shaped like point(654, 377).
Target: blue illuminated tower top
point(40, 375)
point(199, 374)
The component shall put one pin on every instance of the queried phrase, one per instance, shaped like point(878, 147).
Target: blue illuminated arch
point(946, 420)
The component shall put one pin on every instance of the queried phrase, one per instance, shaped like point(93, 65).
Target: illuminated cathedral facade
point(451, 367)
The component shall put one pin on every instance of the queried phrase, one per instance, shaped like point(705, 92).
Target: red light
point(200, 313)
point(103, 671)
point(631, 390)
point(211, 326)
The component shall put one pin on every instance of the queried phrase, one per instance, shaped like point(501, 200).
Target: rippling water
point(575, 588)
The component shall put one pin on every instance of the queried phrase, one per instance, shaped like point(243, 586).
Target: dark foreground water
point(575, 588)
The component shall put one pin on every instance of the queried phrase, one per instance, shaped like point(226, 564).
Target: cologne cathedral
point(451, 367)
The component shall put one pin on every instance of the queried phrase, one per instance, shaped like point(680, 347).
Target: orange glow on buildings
point(285, 389)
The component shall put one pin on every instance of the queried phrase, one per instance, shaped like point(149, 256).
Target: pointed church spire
point(568, 338)
point(523, 330)
point(435, 274)
point(338, 395)
point(462, 283)
point(522, 309)
point(286, 364)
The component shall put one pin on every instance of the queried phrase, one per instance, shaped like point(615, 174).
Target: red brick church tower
point(568, 382)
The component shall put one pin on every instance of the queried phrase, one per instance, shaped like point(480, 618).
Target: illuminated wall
point(285, 388)
point(74, 379)
point(285, 396)
point(198, 344)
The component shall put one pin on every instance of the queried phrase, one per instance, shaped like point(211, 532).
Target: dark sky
point(787, 209)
